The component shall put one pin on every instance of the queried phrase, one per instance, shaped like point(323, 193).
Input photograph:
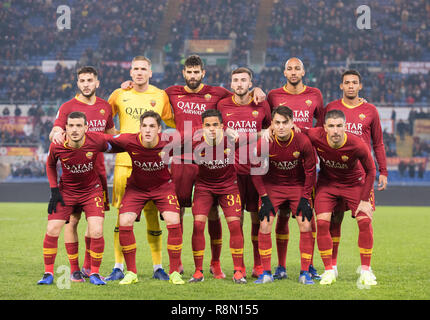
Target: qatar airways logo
point(149, 165)
point(243, 125)
point(334, 164)
point(215, 164)
point(96, 125)
point(285, 165)
point(355, 128)
point(301, 115)
point(79, 168)
point(191, 107)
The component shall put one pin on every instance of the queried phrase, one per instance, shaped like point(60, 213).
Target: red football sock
point(215, 234)
point(72, 249)
point(306, 250)
point(128, 244)
point(265, 250)
point(236, 244)
point(174, 246)
point(87, 257)
point(50, 246)
point(325, 244)
point(96, 250)
point(198, 243)
point(335, 229)
point(314, 235)
point(254, 238)
point(365, 241)
point(282, 236)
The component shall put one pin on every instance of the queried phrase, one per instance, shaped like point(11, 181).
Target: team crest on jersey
point(89, 155)
point(102, 111)
point(362, 116)
point(208, 96)
point(161, 154)
point(153, 103)
point(255, 113)
point(308, 102)
point(345, 158)
point(296, 154)
point(227, 151)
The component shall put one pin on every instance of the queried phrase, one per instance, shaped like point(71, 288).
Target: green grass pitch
point(400, 262)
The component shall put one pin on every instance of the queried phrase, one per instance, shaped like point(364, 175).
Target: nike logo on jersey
point(272, 155)
point(318, 149)
point(65, 159)
point(228, 114)
point(180, 96)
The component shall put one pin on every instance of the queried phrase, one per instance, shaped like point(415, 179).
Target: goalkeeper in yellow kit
point(129, 105)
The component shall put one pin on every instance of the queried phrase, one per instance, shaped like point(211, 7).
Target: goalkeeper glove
point(305, 208)
point(55, 198)
point(266, 208)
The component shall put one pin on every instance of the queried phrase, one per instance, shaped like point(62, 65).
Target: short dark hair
point(283, 111)
point(151, 114)
point(242, 70)
point(351, 72)
point(194, 61)
point(212, 113)
point(334, 114)
point(87, 69)
point(77, 115)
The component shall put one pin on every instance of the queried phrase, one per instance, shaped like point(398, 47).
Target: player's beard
point(89, 95)
point(193, 84)
point(351, 96)
point(295, 83)
point(240, 93)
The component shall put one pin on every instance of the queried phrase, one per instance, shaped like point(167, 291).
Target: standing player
point(150, 180)
point(242, 114)
point(79, 185)
point(307, 105)
point(99, 115)
point(129, 105)
point(216, 182)
point(362, 119)
point(290, 178)
point(347, 173)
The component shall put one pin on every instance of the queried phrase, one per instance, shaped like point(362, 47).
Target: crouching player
point(149, 180)
point(79, 185)
point(290, 178)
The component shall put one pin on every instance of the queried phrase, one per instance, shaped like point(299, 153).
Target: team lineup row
point(286, 141)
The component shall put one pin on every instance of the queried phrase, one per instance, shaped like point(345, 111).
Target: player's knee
point(265, 226)
point(54, 229)
point(171, 217)
point(364, 223)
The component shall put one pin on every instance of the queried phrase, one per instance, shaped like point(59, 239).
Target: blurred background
point(38, 62)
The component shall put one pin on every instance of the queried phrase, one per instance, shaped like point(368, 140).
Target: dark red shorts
point(248, 194)
point(92, 204)
point(184, 176)
point(342, 206)
point(164, 198)
point(284, 197)
point(229, 201)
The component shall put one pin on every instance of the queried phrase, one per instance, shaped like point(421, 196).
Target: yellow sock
point(119, 257)
point(153, 232)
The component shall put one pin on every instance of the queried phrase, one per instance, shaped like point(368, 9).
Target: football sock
point(96, 251)
point(236, 243)
point(265, 250)
point(282, 236)
point(314, 236)
point(174, 246)
point(198, 243)
point(306, 249)
point(325, 244)
point(119, 257)
point(254, 238)
point(153, 232)
point(335, 229)
point(365, 241)
point(50, 246)
point(87, 257)
point(215, 234)
point(128, 244)
point(72, 249)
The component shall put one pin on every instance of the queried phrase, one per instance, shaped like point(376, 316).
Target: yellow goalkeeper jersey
point(131, 104)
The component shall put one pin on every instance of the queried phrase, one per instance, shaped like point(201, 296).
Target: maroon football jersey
point(290, 163)
point(78, 165)
point(246, 119)
point(149, 166)
point(350, 164)
point(363, 120)
point(306, 105)
point(99, 115)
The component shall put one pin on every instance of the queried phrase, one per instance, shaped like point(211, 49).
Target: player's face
point(193, 76)
point(335, 128)
point(75, 129)
point(282, 126)
point(212, 127)
point(149, 129)
point(294, 72)
point(140, 72)
point(87, 84)
point(241, 83)
point(350, 86)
